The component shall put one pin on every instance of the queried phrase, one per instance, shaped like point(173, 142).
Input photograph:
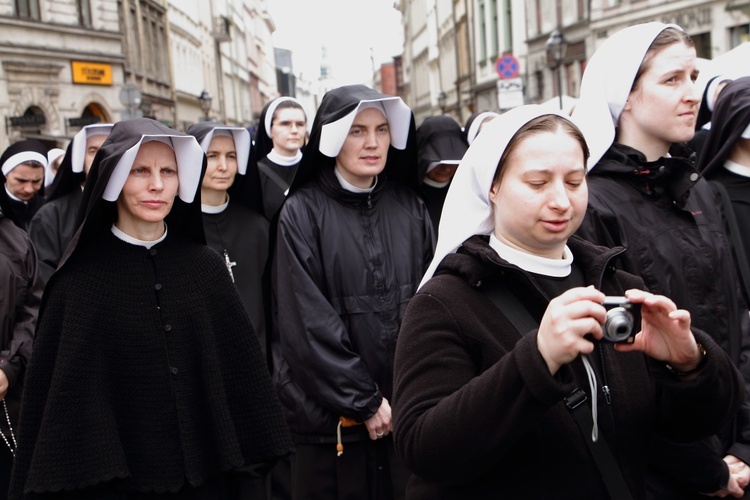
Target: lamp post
point(205, 100)
point(557, 46)
point(441, 101)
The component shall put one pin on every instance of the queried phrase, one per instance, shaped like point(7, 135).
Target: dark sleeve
point(314, 339)
point(600, 228)
point(697, 408)
point(44, 233)
point(16, 355)
point(429, 236)
point(438, 389)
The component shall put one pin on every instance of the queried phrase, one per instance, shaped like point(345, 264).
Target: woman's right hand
point(568, 318)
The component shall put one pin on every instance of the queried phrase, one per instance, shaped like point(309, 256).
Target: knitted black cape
point(145, 370)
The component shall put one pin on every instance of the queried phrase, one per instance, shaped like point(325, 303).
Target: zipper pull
point(607, 394)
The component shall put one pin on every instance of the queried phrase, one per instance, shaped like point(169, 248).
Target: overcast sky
point(349, 29)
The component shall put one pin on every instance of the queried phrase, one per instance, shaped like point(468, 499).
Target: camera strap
point(522, 321)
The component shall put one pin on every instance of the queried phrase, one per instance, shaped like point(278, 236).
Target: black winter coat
point(478, 415)
point(52, 228)
point(20, 295)
point(668, 218)
point(347, 265)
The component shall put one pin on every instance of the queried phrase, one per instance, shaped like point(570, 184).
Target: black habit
point(146, 376)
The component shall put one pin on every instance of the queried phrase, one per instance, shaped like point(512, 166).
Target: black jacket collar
point(672, 176)
point(331, 186)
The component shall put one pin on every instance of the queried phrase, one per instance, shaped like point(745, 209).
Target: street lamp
point(557, 46)
point(441, 101)
point(205, 99)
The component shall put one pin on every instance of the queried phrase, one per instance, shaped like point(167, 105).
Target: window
point(507, 27)
point(28, 9)
point(493, 28)
point(739, 35)
point(84, 13)
point(482, 31)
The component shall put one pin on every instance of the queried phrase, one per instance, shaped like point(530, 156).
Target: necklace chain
point(12, 435)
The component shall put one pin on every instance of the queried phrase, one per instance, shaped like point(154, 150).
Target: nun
point(279, 140)
point(147, 380)
point(23, 165)
point(502, 364)
point(233, 219)
point(53, 226)
point(725, 162)
point(440, 147)
point(713, 88)
point(21, 291)
point(353, 240)
point(637, 107)
point(54, 158)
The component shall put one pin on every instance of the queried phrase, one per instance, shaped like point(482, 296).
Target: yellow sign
point(92, 73)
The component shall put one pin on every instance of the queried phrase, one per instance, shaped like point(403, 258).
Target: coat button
point(173, 370)
point(694, 177)
point(152, 251)
point(157, 287)
point(167, 328)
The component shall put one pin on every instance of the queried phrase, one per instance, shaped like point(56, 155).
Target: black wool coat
point(478, 415)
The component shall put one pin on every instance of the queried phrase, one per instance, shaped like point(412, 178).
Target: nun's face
point(151, 187)
point(442, 173)
point(541, 198)
point(365, 150)
point(222, 164)
point(663, 108)
point(25, 180)
point(288, 130)
point(93, 144)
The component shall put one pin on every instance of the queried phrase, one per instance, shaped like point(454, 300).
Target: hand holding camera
point(664, 330)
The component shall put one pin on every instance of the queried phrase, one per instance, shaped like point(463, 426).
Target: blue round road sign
point(507, 67)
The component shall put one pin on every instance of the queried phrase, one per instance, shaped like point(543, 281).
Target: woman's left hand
point(665, 332)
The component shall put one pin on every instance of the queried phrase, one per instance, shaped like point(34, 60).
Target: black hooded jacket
point(22, 292)
point(667, 217)
point(346, 266)
point(54, 225)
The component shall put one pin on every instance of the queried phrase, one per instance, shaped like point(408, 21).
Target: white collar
point(556, 268)
point(351, 187)
point(135, 241)
point(435, 184)
point(14, 197)
point(736, 168)
point(214, 209)
point(284, 161)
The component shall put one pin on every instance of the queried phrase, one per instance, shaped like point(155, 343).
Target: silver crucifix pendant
point(229, 264)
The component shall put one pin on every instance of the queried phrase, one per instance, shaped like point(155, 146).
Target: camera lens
point(618, 325)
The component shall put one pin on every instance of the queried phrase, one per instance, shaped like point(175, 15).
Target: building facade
point(505, 61)
point(61, 67)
